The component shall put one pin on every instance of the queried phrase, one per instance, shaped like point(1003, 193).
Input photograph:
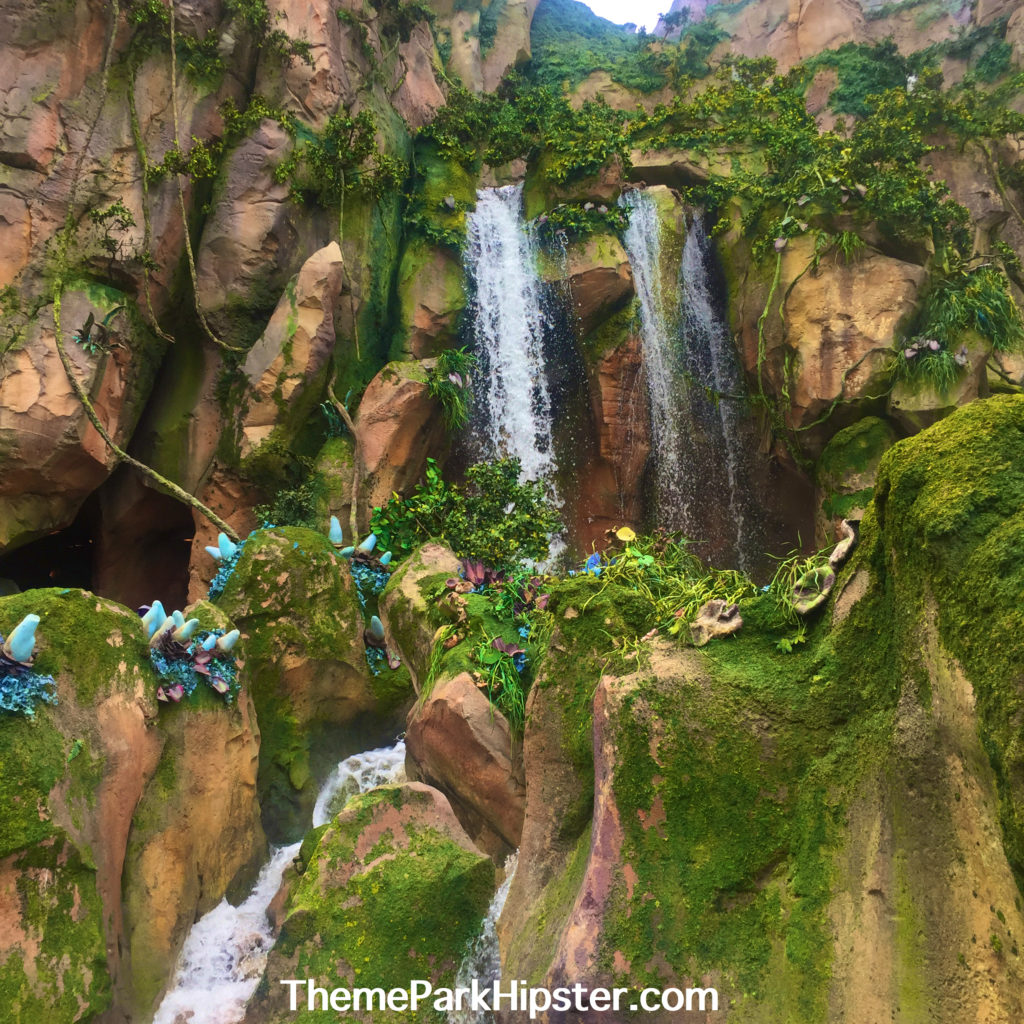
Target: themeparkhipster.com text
point(513, 996)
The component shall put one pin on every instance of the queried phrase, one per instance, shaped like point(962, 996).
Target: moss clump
point(389, 895)
point(847, 467)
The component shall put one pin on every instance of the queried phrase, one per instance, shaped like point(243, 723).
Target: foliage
point(502, 677)
point(571, 221)
point(789, 570)
point(492, 518)
point(864, 70)
point(449, 383)
point(924, 363)
point(568, 42)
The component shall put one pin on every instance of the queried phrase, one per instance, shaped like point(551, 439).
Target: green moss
point(62, 924)
point(406, 911)
point(950, 518)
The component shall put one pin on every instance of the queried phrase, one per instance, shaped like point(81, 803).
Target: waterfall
point(513, 401)
point(482, 960)
point(225, 953)
point(701, 433)
point(659, 327)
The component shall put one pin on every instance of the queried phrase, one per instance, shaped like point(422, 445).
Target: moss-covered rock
point(408, 605)
point(294, 600)
point(846, 471)
point(431, 296)
point(71, 777)
point(392, 892)
point(772, 823)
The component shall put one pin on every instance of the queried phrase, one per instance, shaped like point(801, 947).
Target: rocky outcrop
point(72, 778)
point(295, 603)
point(196, 834)
point(431, 295)
point(391, 890)
point(291, 357)
point(404, 608)
point(53, 456)
point(398, 428)
point(599, 278)
point(457, 741)
point(686, 856)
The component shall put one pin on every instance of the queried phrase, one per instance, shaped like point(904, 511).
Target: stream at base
point(482, 960)
point(226, 951)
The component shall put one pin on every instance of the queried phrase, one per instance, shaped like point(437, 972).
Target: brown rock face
point(192, 840)
point(455, 740)
point(612, 482)
point(53, 457)
point(398, 427)
point(840, 321)
point(292, 353)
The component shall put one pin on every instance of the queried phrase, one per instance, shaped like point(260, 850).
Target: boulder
point(287, 365)
point(393, 891)
point(72, 777)
point(419, 96)
point(459, 742)
point(254, 240)
point(840, 323)
point(404, 609)
point(196, 834)
point(398, 428)
point(294, 600)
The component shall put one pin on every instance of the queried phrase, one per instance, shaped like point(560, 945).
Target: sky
point(643, 12)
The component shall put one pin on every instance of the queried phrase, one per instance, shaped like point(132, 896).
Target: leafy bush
point(493, 518)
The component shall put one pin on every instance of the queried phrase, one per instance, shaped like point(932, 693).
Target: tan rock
point(292, 354)
point(419, 97)
point(511, 45)
point(255, 239)
point(715, 619)
point(457, 741)
point(600, 280)
point(193, 839)
point(987, 11)
point(1015, 35)
point(398, 427)
point(840, 322)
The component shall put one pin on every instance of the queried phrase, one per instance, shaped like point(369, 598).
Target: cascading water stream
point(482, 961)
point(513, 401)
point(659, 328)
point(226, 951)
point(701, 436)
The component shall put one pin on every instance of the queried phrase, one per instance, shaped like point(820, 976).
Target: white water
point(700, 431)
point(226, 951)
point(482, 960)
point(662, 362)
point(513, 400)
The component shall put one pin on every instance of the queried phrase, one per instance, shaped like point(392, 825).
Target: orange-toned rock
point(600, 280)
point(612, 483)
point(292, 353)
point(398, 426)
point(457, 741)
